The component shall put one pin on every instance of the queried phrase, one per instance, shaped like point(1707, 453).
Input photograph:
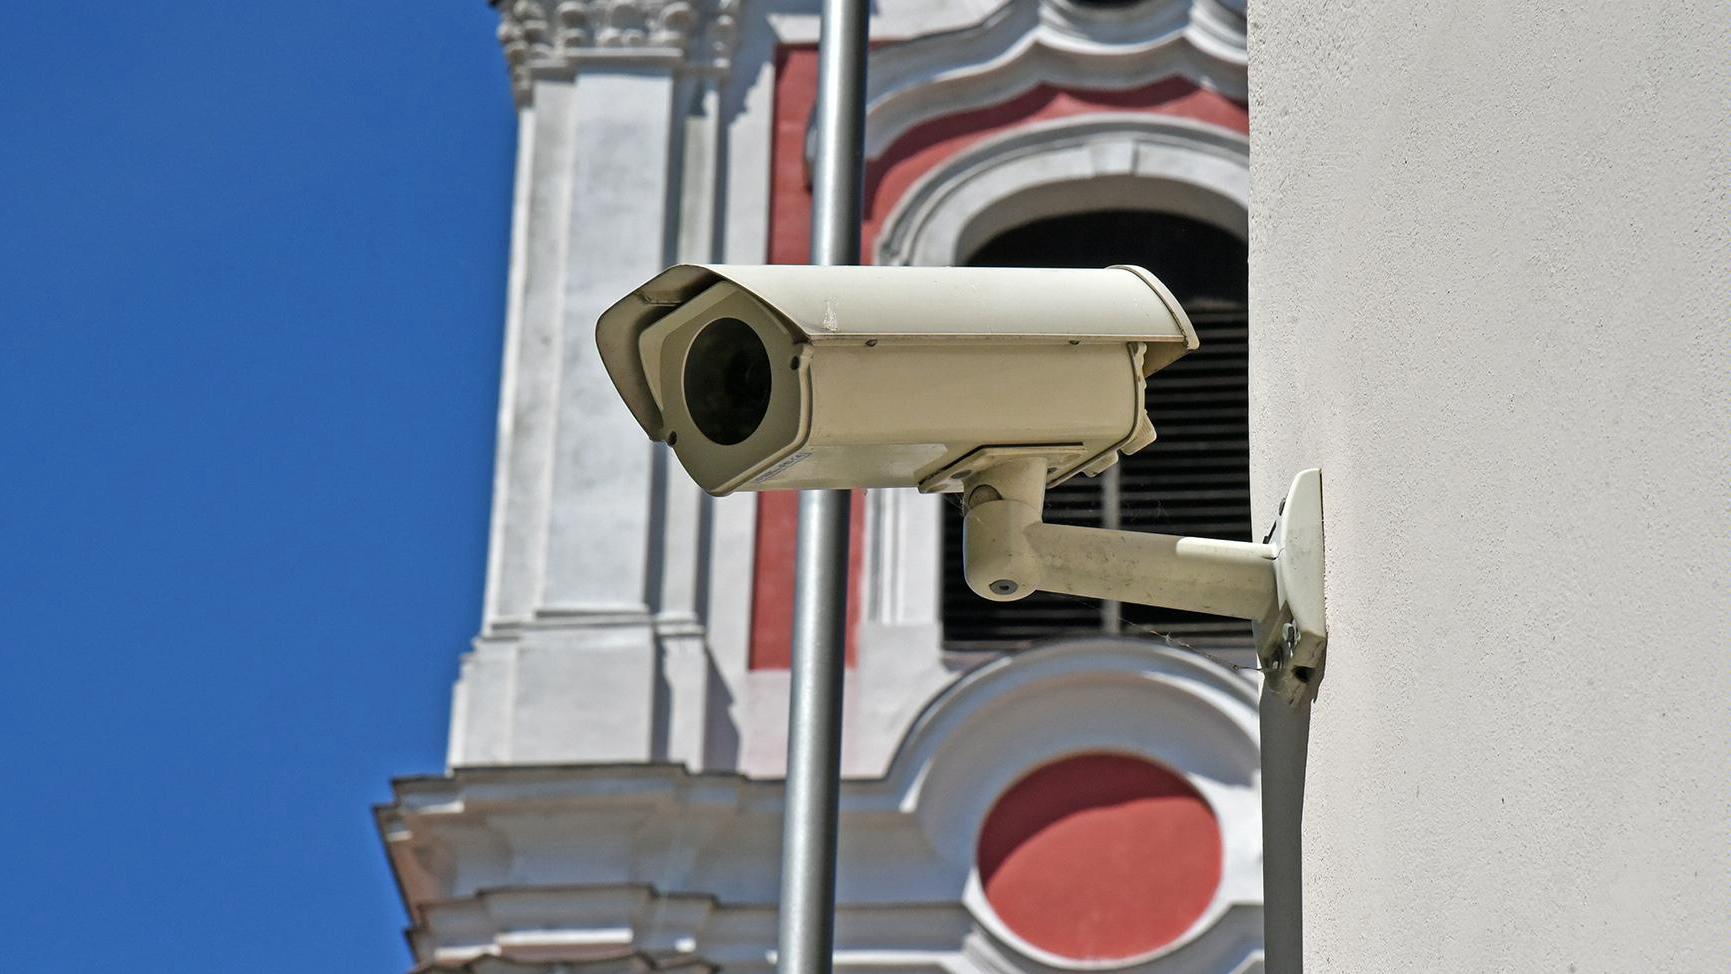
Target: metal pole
point(1285, 744)
point(808, 850)
point(1112, 519)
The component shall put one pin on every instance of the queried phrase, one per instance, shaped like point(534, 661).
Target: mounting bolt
point(1288, 647)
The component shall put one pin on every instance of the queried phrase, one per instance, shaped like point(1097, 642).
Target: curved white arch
point(1114, 160)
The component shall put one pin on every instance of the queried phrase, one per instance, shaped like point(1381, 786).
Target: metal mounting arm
point(1010, 553)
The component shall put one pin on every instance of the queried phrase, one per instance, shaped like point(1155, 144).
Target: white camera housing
point(795, 377)
point(996, 382)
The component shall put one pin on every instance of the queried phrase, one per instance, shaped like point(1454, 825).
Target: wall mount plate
point(1062, 459)
point(1292, 642)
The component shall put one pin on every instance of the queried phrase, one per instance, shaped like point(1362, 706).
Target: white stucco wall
point(1489, 297)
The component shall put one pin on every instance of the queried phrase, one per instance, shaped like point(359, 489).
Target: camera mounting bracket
point(1010, 552)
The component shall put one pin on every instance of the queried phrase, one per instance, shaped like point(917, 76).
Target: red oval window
point(1100, 857)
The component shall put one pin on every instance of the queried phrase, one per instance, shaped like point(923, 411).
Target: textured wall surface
point(1489, 297)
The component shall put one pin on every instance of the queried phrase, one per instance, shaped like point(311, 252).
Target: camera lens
point(727, 381)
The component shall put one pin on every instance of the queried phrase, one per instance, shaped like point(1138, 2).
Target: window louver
point(1193, 480)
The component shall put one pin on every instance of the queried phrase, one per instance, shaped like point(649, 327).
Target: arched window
point(1194, 480)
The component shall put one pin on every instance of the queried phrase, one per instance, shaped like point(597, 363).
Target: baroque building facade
point(1050, 786)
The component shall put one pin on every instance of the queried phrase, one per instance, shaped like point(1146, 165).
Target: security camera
point(794, 377)
point(994, 382)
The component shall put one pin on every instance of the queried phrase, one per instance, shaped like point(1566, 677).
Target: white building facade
point(1043, 788)
point(1489, 270)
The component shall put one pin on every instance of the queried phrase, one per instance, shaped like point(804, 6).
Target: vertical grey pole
point(808, 850)
point(1111, 518)
point(1285, 742)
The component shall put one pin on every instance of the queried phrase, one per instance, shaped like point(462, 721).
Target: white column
point(545, 144)
point(598, 527)
point(596, 540)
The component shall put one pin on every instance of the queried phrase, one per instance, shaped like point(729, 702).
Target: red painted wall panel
point(772, 586)
point(1100, 857)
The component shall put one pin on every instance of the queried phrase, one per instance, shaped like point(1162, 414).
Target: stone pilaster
point(592, 588)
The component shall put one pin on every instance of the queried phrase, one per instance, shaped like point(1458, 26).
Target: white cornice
point(555, 38)
point(495, 964)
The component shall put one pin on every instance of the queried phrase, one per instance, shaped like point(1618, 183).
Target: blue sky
point(252, 259)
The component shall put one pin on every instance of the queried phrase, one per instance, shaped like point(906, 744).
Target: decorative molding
point(534, 924)
point(554, 38)
point(578, 865)
point(1094, 161)
point(1020, 46)
point(1215, 26)
point(489, 964)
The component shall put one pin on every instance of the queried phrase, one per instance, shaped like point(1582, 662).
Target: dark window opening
point(1193, 480)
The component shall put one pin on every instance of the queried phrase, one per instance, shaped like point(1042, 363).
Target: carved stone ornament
point(556, 36)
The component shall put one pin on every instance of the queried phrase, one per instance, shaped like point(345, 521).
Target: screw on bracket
point(1288, 645)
